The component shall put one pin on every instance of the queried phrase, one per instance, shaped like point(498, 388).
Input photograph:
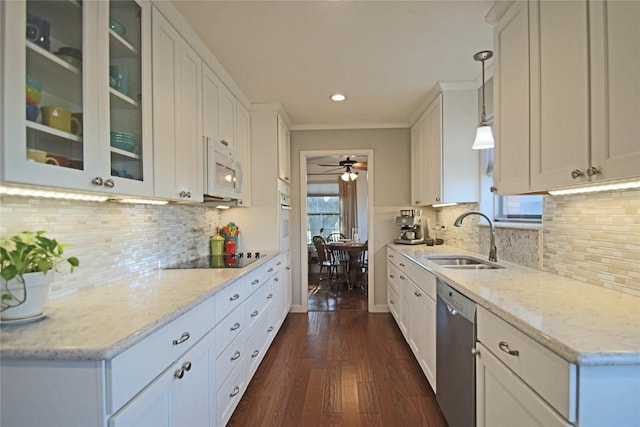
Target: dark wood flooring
point(323, 298)
point(340, 368)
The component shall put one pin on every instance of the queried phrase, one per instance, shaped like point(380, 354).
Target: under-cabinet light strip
point(595, 188)
point(142, 201)
point(47, 194)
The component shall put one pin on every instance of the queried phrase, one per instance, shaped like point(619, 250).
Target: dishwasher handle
point(452, 311)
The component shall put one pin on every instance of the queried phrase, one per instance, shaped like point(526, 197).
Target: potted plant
point(27, 264)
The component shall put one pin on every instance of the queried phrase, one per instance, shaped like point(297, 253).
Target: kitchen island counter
point(100, 323)
point(584, 324)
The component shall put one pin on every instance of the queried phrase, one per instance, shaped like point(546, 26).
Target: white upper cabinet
point(65, 139)
point(444, 167)
point(227, 116)
point(511, 100)
point(177, 115)
point(614, 29)
point(284, 155)
point(243, 147)
point(566, 94)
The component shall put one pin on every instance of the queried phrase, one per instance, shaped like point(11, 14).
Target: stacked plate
point(124, 141)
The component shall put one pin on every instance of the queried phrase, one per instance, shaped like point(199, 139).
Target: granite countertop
point(100, 323)
point(584, 324)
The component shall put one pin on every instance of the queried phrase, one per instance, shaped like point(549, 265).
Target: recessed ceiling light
point(338, 97)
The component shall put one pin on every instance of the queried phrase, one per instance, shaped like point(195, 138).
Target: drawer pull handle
point(402, 277)
point(234, 297)
point(390, 256)
point(235, 391)
point(255, 282)
point(288, 268)
point(186, 366)
point(452, 310)
point(418, 294)
point(235, 356)
point(270, 270)
point(270, 329)
point(255, 353)
point(402, 265)
point(179, 373)
point(392, 276)
point(235, 326)
point(185, 336)
point(255, 313)
point(275, 279)
point(269, 296)
point(392, 301)
point(278, 263)
point(504, 346)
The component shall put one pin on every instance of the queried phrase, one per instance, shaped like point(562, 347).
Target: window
point(518, 208)
point(323, 209)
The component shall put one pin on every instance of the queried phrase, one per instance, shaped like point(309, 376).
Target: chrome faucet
point(493, 251)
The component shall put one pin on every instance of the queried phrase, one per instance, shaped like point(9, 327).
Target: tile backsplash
point(113, 241)
point(594, 238)
point(591, 237)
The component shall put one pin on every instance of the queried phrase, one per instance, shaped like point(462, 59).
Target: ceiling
point(384, 55)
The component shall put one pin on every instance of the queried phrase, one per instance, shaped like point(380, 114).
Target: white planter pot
point(37, 285)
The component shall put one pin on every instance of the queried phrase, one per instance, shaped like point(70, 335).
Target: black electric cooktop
point(237, 260)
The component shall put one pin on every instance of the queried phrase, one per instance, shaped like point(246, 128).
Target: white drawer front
point(393, 276)
point(132, 370)
point(229, 329)
point(257, 305)
point(393, 301)
point(230, 298)
point(262, 274)
point(545, 372)
point(421, 277)
point(393, 256)
point(257, 344)
point(229, 395)
point(230, 358)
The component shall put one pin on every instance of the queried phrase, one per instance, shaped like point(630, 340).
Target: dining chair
point(335, 237)
point(326, 261)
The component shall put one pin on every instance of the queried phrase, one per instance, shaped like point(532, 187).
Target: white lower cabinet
point(503, 399)
point(411, 296)
point(178, 397)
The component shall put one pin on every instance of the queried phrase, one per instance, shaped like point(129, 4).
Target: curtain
point(348, 206)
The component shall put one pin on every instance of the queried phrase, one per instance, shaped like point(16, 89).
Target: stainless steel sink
point(463, 263)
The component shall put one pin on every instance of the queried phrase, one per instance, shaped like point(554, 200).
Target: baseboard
point(297, 308)
point(379, 309)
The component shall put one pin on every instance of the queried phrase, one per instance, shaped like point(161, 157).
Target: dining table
point(355, 252)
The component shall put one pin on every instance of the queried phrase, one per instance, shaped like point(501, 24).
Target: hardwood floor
point(322, 298)
point(341, 368)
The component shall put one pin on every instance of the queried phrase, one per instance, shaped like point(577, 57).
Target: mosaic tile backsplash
point(113, 241)
point(593, 238)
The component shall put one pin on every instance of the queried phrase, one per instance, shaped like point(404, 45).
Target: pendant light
point(484, 135)
point(348, 175)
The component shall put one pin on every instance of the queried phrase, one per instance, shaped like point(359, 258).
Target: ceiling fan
point(347, 164)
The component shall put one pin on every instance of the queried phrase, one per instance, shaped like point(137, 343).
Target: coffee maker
point(412, 231)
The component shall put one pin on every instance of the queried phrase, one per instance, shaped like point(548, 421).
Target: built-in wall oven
point(285, 223)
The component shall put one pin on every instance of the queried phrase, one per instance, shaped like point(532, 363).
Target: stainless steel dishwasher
point(455, 364)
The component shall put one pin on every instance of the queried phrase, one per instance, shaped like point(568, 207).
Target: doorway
point(324, 212)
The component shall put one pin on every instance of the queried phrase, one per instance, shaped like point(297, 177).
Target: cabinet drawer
point(259, 276)
point(393, 276)
point(230, 358)
point(552, 377)
point(257, 305)
point(132, 370)
point(229, 329)
point(393, 301)
point(421, 277)
point(231, 297)
point(393, 256)
point(257, 344)
point(229, 395)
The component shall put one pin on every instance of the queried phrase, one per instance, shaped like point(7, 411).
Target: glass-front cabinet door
point(127, 142)
point(65, 123)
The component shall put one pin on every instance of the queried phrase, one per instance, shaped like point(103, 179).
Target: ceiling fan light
point(345, 176)
point(484, 138)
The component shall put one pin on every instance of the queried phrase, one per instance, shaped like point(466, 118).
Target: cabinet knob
point(185, 194)
point(109, 183)
point(186, 366)
point(225, 143)
point(475, 352)
point(576, 173)
point(392, 276)
point(97, 181)
point(493, 189)
point(185, 336)
point(438, 199)
point(593, 171)
point(402, 277)
point(417, 202)
point(392, 301)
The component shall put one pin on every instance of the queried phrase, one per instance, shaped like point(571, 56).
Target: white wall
point(391, 191)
